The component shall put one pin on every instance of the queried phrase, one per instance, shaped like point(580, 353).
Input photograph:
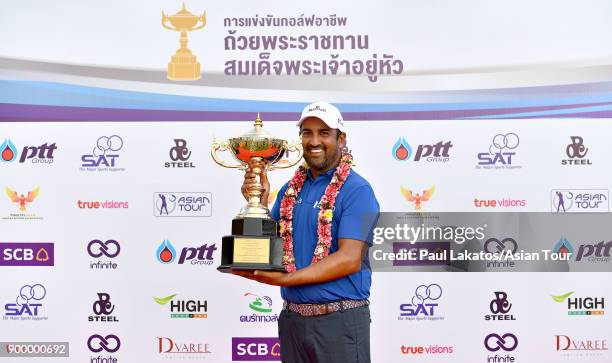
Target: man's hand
point(250, 179)
point(267, 277)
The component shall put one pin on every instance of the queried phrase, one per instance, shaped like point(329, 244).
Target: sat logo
point(104, 153)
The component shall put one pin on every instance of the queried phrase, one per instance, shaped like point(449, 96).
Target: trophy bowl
point(246, 147)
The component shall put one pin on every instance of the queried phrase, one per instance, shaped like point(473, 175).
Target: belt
point(323, 309)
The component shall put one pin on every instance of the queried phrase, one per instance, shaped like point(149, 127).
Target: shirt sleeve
point(276, 208)
point(359, 215)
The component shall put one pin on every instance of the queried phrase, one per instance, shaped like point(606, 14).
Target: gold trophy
point(183, 66)
point(254, 243)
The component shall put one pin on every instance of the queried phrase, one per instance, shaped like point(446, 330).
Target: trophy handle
point(222, 146)
point(202, 18)
point(164, 20)
point(284, 164)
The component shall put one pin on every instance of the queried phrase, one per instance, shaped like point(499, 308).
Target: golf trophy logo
point(183, 65)
point(254, 243)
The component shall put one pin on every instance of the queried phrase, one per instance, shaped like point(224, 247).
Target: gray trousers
point(339, 337)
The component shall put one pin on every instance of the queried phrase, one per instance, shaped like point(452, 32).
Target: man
point(327, 213)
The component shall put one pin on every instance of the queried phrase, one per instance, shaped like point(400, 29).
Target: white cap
point(326, 112)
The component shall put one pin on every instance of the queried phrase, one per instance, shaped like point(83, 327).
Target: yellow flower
point(328, 214)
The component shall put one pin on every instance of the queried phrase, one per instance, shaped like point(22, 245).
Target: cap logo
point(317, 108)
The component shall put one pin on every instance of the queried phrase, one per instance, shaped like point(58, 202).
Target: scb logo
point(252, 349)
point(102, 153)
point(422, 301)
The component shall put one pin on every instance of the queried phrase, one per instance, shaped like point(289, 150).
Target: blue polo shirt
point(355, 215)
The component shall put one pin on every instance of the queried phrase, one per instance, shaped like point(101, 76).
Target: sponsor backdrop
point(113, 210)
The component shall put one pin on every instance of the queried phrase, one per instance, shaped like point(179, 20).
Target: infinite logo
point(417, 198)
point(97, 248)
point(493, 245)
point(103, 306)
point(494, 342)
point(97, 343)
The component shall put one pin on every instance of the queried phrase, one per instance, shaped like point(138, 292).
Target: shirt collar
point(329, 174)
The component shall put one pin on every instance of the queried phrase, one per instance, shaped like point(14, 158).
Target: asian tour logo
point(261, 308)
point(182, 204)
point(579, 201)
point(424, 304)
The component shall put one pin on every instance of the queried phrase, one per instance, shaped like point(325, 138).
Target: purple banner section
point(26, 254)
point(255, 349)
point(412, 255)
point(24, 112)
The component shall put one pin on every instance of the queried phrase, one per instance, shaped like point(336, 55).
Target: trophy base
point(252, 266)
point(184, 67)
point(253, 245)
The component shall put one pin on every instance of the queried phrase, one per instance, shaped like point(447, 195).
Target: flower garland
point(326, 211)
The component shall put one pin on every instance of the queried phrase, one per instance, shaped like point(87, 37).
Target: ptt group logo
point(576, 152)
point(253, 349)
point(179, 154)
point(581, 306)
point(40, 155)
point(431, 153)
point(182, 204)
point(260, 310)
point(203, 255)
point(26, 254)
point(104, 155)
point(423, 305)
point(27, 305)
point(104, 253)
point(597, 252)
point(184, 309)
point(501, 154)
point(21, 204)
point(579, 201)
point(506, 342)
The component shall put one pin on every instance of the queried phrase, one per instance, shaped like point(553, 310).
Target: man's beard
point(325, 163)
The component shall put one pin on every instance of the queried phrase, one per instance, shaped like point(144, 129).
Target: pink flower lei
point(326, 211)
